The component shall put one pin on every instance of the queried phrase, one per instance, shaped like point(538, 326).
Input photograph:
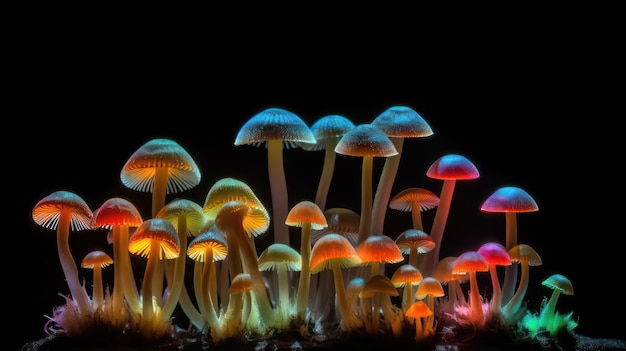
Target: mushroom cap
point(255, 220)
point(275, 124)
point(402, 122)
point(306, 212)
point(47, 211)
point(342, 221)
point(415, 238)
point(366, 140)
point(429, 286)
point(509, 199)
point(225, 190)
point(407, 198)
point(330, 126)
point(525, 253)
point(332, 246)
point(495, 253)
point(470, 261)
point(418, 309)
point(96, 258)
point(192, 213)
point(116, 212)
point(209, 238)
point(452, 167)
point(443, 271)
point(280, 254)
point(379, 248)
point(406, 274)
point(241, 283)
point(560, 282)
point(159, 229)
point(378, 284)
point(139, 171)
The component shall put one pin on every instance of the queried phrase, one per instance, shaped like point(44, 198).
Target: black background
point(532, 102)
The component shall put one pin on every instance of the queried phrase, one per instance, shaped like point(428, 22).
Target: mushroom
point(239, 304)
point(206, 248)
point(64, 210)
point(509, 200)
point(239, 220)
point(450, 168)
point(188, 218)
point(156, 239)
point(379, 289)
point(559, 284)
point(378, 249)
point(407, 277)
point(428, 289)
point(398, 123)
point(414, 200)
point(333, 251)
point(118, 215)
point(97, 260)
point(308, 216)
point(413, 242)
point(526, 256)
point(496, 255)
point(417, 311)
point(275, 127)
point(281, 258)
point(327, 131)
point(160, 166)
point(366, 141)
point(443, 273)
point(471, 262)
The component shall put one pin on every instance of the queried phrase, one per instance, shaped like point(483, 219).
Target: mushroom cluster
point(332, 283)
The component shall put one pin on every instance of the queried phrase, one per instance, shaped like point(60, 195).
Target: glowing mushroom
point(327, 131)
point(417, 311)
point(275, 127)
point(96, 260)
point(559, 284)
point(118, 215)
point(378, 249)
point(428, 289)
point(496, 255)
point(155, 239)
point(526, 256)
point(335, 252)
point(471, 262)
point(281, 258)
point(450, 168)
point(398, 123)
point(443, 273)
point(63, 210)
point(407, 277)
point(509, 200)
point(366, 141)
point(416, 201)
point(308, 216)
point(414, 242)
point(378, 289)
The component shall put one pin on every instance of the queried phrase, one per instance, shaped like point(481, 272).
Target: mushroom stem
point(327, 172)
point(476, 306)
point(366, 198)
point(385, 183)
point(429, 259)
point(278, 185)
point(510, 272)
point(178, 279)
point(347, 316)
point(511, 308)
point(69, 266)
point(147, 317)
point(127, 277)
point(305, 271)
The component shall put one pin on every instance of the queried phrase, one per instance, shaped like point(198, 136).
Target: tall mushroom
point(450, 168)
point(118, 215)
point(333, 251)
point(64, 210)
point(510, 200)
point(526, 256)
point(156, 239)
point(276, 127)
point(366, 141)
point(308, 216)
point(327, 131)
point(398, 123)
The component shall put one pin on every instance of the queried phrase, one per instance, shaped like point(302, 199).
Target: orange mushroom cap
point(418, 309)
point(96, 258)
point(378, 284)
point(429, 286)
point(379, 248)
point(470, 261)
point(47, 211)
point(155, 229)
point(333, 246)
point(306, 212)
point(407, 198)
point(116, 211)
point(415, 238)
point(209, 238)
point(406, 274)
